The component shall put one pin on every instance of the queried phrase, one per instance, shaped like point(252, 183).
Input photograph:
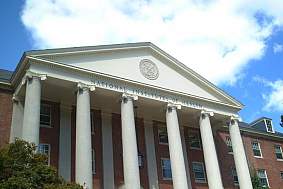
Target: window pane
point(235, 176)
point(162, 134)
point(256, 149)
point(278, 152)
point(269, 125)
point(194, 140)
point(45, 115)
point(198, 171)
point(229, 144)
point(44, 149)
point(166, 169)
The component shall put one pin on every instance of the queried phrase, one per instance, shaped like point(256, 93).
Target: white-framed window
point(166, 169)
point(199, 173)
point(268, 124)
point(45, 115)
point(278, 152)
point(162, 135)
point(281, 175)
point(229, 144)
point(256, 149)
point(194, 141)
point(235, 176)
point(92, 123)
point(44, 149)
point(93, 161)
point(263, 180)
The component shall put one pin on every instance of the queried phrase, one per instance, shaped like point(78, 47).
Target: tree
point(256, 182)
point(281, 123)
point(22, 168)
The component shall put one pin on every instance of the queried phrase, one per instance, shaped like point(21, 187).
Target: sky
point(236, 44)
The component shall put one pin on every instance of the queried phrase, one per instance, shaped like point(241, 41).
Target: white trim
point(202, 164)
point(133, 82)
point(142, 45)
point(267, 127)
point(280, 151)
point(261, 155)
point(93, 162)
point(265, 176)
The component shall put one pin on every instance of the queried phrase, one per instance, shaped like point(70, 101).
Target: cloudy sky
point(236, 44)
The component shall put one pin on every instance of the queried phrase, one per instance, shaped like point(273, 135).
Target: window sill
point(231, 153)
point(167, 179)
point(46, 126)
point(259, 157)
point(161, 143)
point(194, 148)
point(279, 159)
point(200, 182)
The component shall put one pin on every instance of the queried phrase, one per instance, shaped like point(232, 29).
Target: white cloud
point(216, 38)
point(277, 48)
point(274, 96)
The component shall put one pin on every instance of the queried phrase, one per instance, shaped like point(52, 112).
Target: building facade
point(131, 116)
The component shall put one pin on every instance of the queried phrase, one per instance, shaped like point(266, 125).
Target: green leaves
point(22, 168)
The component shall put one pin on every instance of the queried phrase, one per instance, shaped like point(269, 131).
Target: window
point(263, 180)
point(44, 149)
point(93, 161)
point(92, 122)
point(166, 169)
point(45, 115)
point(162, 135)
point(281, 175)
point(194, 141)
point(268, 124)
point(198, 171)
point(256, 149)
point(278, 152)
point(235, 176)
point(229, 145)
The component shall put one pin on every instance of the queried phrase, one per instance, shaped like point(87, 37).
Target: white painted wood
point(65, 142)
point(107, 151)
point(150, 155)
point(17, 120)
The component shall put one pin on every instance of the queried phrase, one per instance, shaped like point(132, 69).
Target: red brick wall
point(6, 108)
point(96, 144)
point(194, 155)
point(268, 162)
point(118, 151)
point(51, 135)
point(226, 160)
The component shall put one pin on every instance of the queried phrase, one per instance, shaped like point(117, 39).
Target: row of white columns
point(30, 132)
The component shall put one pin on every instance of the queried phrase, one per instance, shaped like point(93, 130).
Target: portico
point(134, 81)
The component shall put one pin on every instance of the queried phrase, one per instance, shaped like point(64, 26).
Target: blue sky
point(236, 45)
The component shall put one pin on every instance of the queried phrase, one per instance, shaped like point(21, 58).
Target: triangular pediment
point(141, 62)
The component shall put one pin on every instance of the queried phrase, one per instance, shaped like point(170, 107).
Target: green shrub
point(22, 168)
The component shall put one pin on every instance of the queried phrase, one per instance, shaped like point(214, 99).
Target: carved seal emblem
point(148, 69)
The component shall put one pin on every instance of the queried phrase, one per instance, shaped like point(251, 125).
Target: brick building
point(130, 115)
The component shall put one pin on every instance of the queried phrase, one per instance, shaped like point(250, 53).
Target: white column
point(186, 158)
point(209, 152)
point(65, 142)
point(179, 175)
point(129, 142)
point(17, 119)
point(150, 155)
point(240, 156)
point(107, 151)
point(32, 109)
point(83, 137)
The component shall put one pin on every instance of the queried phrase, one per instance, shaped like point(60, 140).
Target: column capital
point(129, 96)
point(83, 86)
point(30, 75)
point(207, 113)
point(15, 99)
point(171, 105)
point(234, 118)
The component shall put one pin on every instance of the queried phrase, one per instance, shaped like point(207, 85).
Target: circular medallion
point(148, 69)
